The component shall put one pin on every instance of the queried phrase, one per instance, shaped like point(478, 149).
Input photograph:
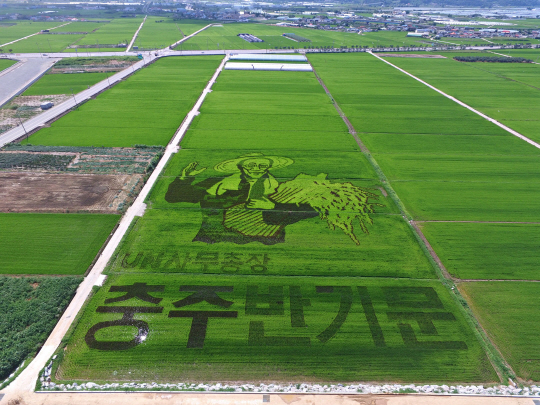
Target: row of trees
point(493, 59)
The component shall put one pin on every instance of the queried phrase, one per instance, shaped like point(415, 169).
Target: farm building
point(291, 67)
point(268, 57)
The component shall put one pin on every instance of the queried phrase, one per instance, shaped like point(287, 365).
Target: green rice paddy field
point(509, 312)
point(159, 32)
point(57, 40)
point(22, 29)
point(118, 31)
point(322, 238)
point(302, 303)
point(64, 83)
point(50, 244)
point(147, 108)
point(507, 92)
point(226, 37)
point(472, 184)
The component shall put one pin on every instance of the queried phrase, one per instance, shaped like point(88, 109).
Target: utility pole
point(107, 73)
point(74, 99)
point(22, 125)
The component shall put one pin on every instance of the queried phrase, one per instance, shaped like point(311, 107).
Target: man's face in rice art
point(255, 168)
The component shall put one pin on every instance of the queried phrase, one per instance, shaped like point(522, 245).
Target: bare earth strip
point(510, 130)
point(63, 192)
point(133, 398)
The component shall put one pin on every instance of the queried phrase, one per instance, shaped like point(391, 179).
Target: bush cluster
point(29, 310)
point(493, 59)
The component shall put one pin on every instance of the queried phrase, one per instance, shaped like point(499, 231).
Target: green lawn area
point(289, 329)
point(52, 243)
point(509, 312)
point(64, 83)
point(147, 108)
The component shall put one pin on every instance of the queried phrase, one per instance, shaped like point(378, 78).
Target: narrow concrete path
point(507, 129)
point(31, 35)
point(26, 381)
point(136, 34)
point(189, 36)
point(21, 75)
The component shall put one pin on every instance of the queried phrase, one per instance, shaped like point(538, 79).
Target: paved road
point(48, 115)
point(21, 75)
point(70, 398)
point(181, 52)
point(135, 35)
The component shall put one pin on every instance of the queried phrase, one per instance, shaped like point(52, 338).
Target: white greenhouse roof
point(295, 67)
point(269, 57)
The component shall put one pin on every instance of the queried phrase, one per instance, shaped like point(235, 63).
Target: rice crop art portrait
point(249, 203)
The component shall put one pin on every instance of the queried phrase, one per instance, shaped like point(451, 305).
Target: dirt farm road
point(169, 398)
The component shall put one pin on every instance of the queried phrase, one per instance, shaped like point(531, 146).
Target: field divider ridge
point(499, 363)
point(26, 381)
point(136, 34)
point(461, 103)
point(31, 35)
